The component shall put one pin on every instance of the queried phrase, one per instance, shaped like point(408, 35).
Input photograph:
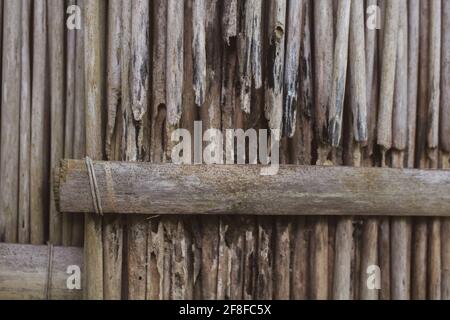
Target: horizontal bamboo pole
point(24, 272)
point(143, 188)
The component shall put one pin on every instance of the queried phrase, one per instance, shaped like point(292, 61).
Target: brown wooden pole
point(40, 116)
point(93, 244)
point(25, 128)
point(10, 121)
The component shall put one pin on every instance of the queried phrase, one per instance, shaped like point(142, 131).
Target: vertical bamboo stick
point(199, 50)
point(79, 135)
point(358, 71)
point(93, 244)
point(323, 73)
point(39, 124)
point(70, 92)
point(372, 86)
point(384, 129)
point(113, 70)
point(275, 63)
point(369, 237)
point(25, 128)
point(138, 81)
point(341, 283)
point(434, 244)
point(323, 59)
point(445, 228)
point(10, 111)
point(419, 249)
point(400, 227)
point(445, 142)
point(155, 272)
point(339, 72)
point(291, 65)
point(112, 226)
point(210, 116)
point(301, 145)
point(56, 56)
point(174, 65)
point(413, 73)
point(230, 278)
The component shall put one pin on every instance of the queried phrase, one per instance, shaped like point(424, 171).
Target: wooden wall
point(341, 92)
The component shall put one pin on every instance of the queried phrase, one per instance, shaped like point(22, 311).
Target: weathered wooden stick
point(183, 275)
point(282, 259)
point(294, 22)
point(275, 64)
point(434, 78)
point(55, 12)
point(413, 74)
point(241, 189)
point(93, 244)
point(445, 142)
point(434, 225)
point(384, 129)
point(40, 116)
point(342, 260)
point(369, 237)
point(323, 71)
point(69, 120)
point(369, 257)
point(339, 72)
point(174, 62)
point(113, 71)
point(301, 146)
point(445, 80)
point(400, 247)
point(400, 227)
point(419, 242)
point(323, 79)
point(229, 20)
point(139, 87)
point(10, 121)
point(231, 231)
point(424, 75)
point(79, 135)
point(344, 230)
point(249, 50)
point(199, 50)
point(155, 233)
point(112, 226)
point(25, 128)
point(445, 231)
point(25, 274)
point(372, 82)
point(358, 71)
point(400, 108)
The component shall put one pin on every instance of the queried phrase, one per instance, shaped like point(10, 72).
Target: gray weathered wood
point(384, 129)
point(275, 64)
point(199, 50)
point(39, 122)
point(24, 272)
point(25, 128)
point(93, 243)
point(294, 22)
point(167, 189)
point(339, 72)
point(10, 118)
point(55, 13)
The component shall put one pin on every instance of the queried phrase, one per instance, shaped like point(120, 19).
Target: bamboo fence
point(354, 83)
